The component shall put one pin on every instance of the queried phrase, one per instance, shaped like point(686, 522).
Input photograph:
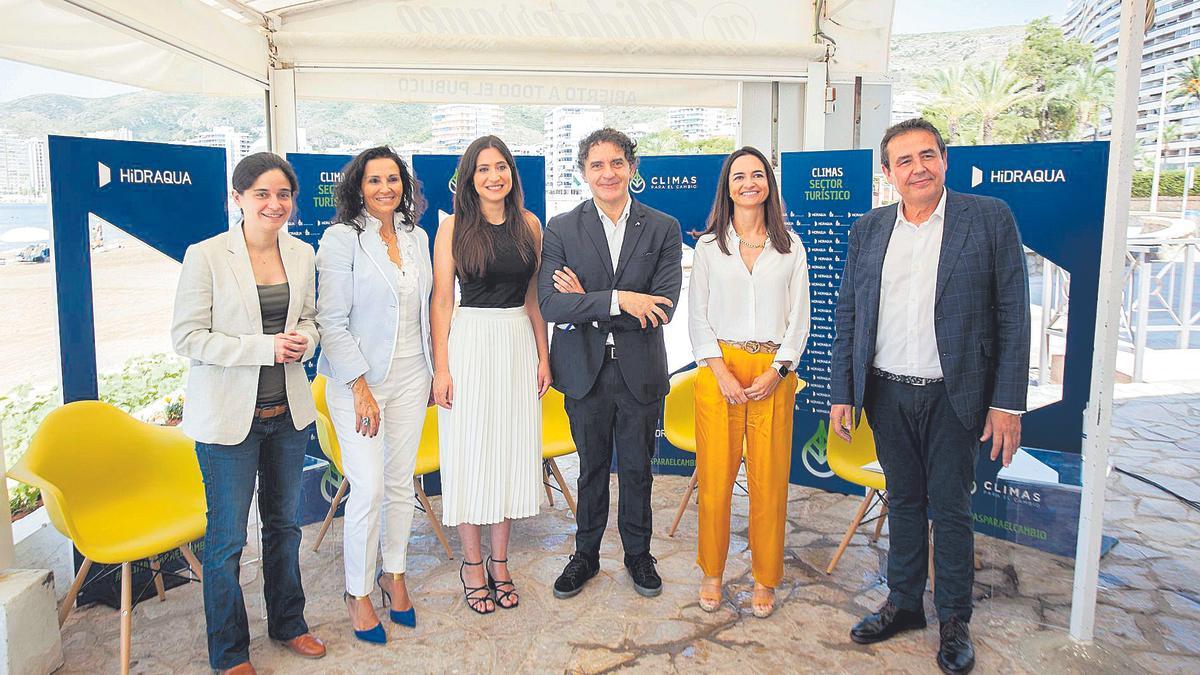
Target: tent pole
point(1098, 415)
point(281, 111)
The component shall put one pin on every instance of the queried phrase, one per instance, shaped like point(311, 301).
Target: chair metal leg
point(193, 563)
point(562, 485)
point(546, 484)
point(126, 615)
point(862, 511)
point(879, 523)
point(333, 505)
point(437, 527)
point(68, 604)
point(159, 586)
point(683, 504)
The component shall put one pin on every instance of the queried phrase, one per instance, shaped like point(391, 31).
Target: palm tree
point(1090, 89)
point(949, 88)
point(1187, 81)
point(994, 91)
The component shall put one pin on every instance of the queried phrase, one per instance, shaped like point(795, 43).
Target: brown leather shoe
point(308, 645)
point(240, 669)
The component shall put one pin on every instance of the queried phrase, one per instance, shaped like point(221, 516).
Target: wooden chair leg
point(437, 526)
point(862, 511)
point(562, 485)
point(126, 615)
point(879, 522)
point(193, 563)
point(683, 504)
point(333, 505)
point(68, 604)
point(546, 484)
point(159, 586)
point(931, 574)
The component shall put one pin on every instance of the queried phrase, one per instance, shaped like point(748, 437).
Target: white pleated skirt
point(491, 440)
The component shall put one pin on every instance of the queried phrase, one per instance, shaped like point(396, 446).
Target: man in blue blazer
point(933, 344)
point(610, 277)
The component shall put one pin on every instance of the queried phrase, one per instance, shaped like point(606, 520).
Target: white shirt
point(726, 301)
point(906, 343)
point(615, 233)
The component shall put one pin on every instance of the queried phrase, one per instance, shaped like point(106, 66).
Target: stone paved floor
point(1148, 619)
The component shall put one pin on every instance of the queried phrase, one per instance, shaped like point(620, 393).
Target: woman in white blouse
point(749, 308)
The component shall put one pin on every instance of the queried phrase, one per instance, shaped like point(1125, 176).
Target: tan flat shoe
point(710, 594)
point(763, 601)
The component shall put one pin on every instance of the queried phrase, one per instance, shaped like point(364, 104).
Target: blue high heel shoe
point(376, 635)
point(407, 617)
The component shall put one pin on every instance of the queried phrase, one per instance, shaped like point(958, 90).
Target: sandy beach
point(134, 292)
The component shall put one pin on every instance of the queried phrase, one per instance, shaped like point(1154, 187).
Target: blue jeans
point(274, 451)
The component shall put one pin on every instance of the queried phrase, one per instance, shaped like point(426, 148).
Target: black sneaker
point(579, 569)
point(956, 653)
point(645, 578)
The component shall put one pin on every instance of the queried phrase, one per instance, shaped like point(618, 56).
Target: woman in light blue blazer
point(375, 279)
point(244, 314)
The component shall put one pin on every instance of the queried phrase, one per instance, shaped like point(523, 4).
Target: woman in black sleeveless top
point(491, 365)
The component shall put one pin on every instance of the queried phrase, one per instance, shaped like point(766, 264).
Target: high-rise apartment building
point(456, 125)
point(565, 127)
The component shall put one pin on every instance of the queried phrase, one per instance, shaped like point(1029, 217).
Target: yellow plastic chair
point(847, 461)
point(556, 442)
point(427, 462)
point(120, 489)
point(679, 425)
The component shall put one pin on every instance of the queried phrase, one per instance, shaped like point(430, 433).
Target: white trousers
point(379, 510)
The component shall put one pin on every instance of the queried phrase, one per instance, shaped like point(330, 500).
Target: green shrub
point(142, 380)
point(1170, 184)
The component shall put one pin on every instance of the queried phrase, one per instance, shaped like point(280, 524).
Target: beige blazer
point(218, 325)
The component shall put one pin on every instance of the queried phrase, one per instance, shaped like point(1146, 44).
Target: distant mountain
point(153, 116)
point(917, 54)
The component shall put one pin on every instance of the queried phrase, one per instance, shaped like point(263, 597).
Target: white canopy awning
point(657, 52)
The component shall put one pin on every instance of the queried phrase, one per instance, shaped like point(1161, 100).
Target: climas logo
point(637, 183)
point(142, 176)
point(453, 184)
point(815, 455)
point(1017, 176)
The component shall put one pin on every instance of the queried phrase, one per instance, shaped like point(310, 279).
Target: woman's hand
point(543, 377)
point(366, 410)
point(731, 390)
point(289, 347)
point(764, 385)
point(443, 390)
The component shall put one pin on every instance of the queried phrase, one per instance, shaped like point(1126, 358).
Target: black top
point(273, 300)
point(505, 280)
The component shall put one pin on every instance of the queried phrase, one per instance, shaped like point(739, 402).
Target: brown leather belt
point(270, 411)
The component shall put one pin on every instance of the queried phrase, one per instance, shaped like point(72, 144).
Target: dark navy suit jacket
point(649, 263)
point(981, 307)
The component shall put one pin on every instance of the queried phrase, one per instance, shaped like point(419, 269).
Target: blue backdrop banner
point(823, 194)
point(136, 187)
point(439, 180)
point(1056, 192)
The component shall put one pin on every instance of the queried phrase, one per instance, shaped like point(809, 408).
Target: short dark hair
point(914, 124)
point(607, 135)
point(348, 194)
point(252, 166)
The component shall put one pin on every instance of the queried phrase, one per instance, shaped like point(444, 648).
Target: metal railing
point(1159, 297)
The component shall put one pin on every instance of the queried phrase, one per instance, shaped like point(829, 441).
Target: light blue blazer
point(357, 302)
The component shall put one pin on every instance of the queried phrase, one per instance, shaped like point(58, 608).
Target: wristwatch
point(782, 369)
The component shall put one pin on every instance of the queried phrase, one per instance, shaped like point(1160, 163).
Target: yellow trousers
point(766, 428)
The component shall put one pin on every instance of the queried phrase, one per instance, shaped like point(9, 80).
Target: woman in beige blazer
point(244, 315)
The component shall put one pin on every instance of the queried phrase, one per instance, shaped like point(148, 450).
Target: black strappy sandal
point(502, 595)
point(477, 604)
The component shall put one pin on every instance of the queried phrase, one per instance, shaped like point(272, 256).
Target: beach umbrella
point(25, 235)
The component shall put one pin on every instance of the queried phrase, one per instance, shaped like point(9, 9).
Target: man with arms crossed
point(933, 343)
point(610, 277)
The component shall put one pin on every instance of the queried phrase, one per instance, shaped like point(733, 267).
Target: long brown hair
point(722, 209)
point(473, 245)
